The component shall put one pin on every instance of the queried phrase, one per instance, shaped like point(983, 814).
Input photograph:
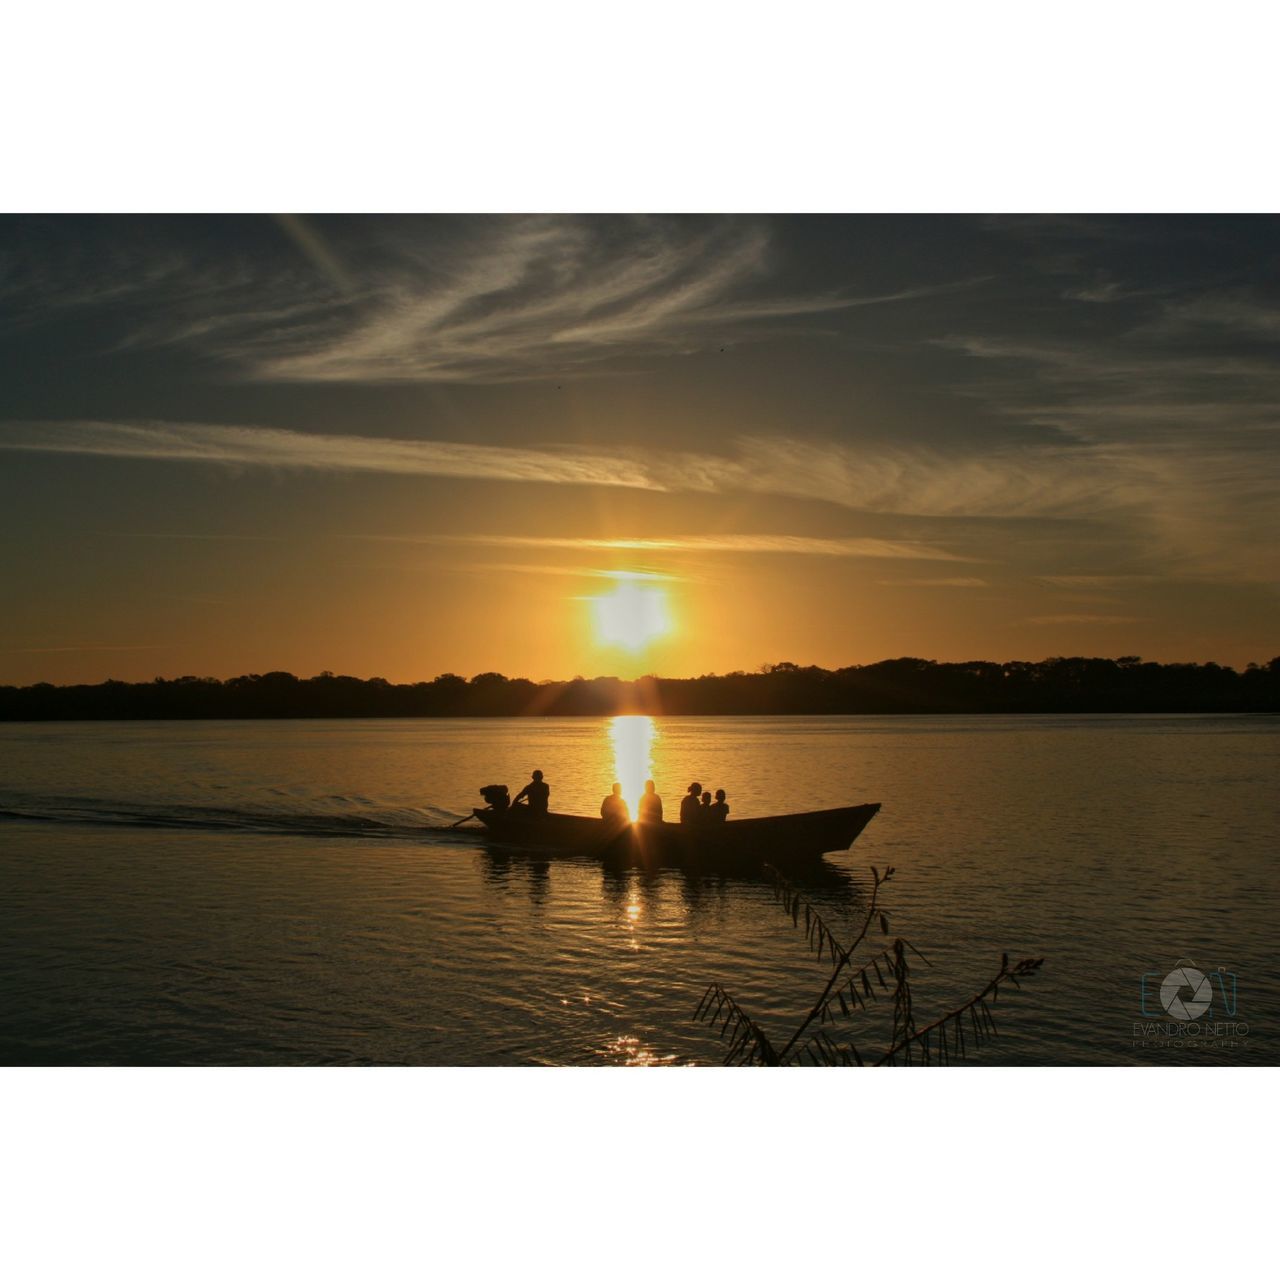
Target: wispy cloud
point(487, 299)
point(540, 297)
point(935, 582)
point(887, 480)
point(1079, 619)
point(1098, 581)
point(299, 450)
point(565, 571)
point(1040, 483)
point(88, 648)
point(1171, 428)
point(1236, 310)
point(1187, 506)
point(164, 536)
point(701, 544)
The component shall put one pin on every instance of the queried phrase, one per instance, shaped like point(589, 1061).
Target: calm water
point(266, 892)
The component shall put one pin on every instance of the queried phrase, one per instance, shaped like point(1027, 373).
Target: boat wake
point(333, 817)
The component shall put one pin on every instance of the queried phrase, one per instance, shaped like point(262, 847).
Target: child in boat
point(704, 813)
point(719, 810)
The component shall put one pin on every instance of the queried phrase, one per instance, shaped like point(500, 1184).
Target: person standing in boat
point(689, 807)
point(536, 794)
point(720, 810)
point(650, 804)
point(614, 808)
point(704, 812)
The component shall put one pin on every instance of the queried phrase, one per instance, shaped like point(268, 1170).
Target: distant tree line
point(898, 686)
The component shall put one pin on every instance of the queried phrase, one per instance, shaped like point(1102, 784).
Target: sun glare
point(631, 617)
point(632, 738)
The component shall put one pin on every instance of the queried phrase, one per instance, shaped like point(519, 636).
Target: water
point(288, 892)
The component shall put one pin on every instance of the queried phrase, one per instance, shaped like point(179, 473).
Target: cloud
point(529, 298)
point(935, 582)
point(1165, 431)
point(194, 537)
point(1099, 291)
point(1098, 581)
point(892, 481)
point(1080, 619)
point(272, 447)
point(90, 648)
point(564, 571)
point(481, 300)
point(1038, 482)
point(1185, 507)
point(700, 544)
point(1234, 311)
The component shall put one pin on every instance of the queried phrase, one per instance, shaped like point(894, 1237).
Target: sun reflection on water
point(632, 1052)
point(633, 738)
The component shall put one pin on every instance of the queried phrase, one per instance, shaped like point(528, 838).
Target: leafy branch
point(945, 1039)
point(748, 1043)
point(842, 957)
point(847, 990)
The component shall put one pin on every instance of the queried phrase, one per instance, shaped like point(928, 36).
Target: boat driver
point(537, 793)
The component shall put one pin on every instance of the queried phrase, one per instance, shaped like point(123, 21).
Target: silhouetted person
point(719, 811)
point(650, 804)
point(613, 808)
point(704, 809)
point(537, 793)
point(689, 805)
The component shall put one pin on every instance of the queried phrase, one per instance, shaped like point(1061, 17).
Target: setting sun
point(631, 616)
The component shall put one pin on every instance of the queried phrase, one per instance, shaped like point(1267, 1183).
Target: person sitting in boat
point(650, 804)
point(689, 807)
point(536, 794)
point(719, 811)
point(614, 808)
point(704, 812)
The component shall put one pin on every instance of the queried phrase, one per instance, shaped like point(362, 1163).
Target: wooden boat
point(784, 840)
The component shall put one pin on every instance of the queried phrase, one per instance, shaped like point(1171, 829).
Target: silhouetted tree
point(898, 686)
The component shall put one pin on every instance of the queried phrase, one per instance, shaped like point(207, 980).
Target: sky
point(555, 446)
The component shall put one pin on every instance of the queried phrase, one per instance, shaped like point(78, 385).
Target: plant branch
point(844, 957)
point(748, 1042)
point(981, 1019)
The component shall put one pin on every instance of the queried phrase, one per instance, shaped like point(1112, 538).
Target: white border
point(665, 106)
point(593, 1172)
point(700, 105)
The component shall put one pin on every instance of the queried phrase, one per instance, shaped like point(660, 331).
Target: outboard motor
point(496, 796)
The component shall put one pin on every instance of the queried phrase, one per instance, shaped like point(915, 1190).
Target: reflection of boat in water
point(785, 840)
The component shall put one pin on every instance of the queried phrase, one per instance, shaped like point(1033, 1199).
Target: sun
point(631, 617)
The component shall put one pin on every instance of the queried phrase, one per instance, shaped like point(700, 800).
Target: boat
point(783, 840)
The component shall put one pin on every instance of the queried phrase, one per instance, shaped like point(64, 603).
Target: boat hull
point(784, 840)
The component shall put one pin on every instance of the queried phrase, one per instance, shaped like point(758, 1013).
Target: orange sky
point(827, 441)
